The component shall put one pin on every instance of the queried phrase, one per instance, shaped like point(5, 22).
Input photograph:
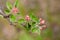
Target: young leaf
point(12, 18)
point(9, 6)
point(34, 18)
point(16, 3)
point(34, 29)
point(6, 11)
point(21, 21)
point(33, 23)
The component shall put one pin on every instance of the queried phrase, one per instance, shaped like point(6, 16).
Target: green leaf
point(33, 23)
point(33, 17)
point(34, 29)
point(12, 18)
point(7, 11)
point(21, 21)
point(9, 6)
point(16, 3)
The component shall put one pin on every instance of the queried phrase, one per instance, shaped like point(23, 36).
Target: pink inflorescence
point(27, 17)
point(42, 22)
point(15, 10)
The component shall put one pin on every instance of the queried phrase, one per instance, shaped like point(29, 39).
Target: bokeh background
point(49, 10)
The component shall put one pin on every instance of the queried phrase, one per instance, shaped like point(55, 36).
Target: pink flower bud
point(27, 18)
point(44, 26)
point(15, 10)
point(42, 22)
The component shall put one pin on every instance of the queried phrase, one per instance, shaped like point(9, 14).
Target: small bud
point(42, 22)
point(27, 18)
point(15, 10)
point(44, 26)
